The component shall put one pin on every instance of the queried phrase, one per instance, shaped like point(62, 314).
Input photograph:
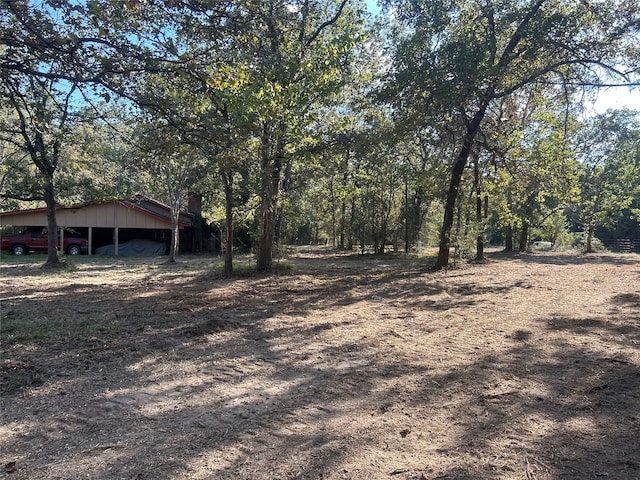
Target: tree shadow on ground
point(567, 258)
point(225, 379)
point(568, 415)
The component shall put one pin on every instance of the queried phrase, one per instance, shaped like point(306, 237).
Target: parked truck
point(35, 240)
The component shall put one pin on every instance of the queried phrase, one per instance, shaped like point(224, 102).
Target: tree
point(203, 109)
point(101, 162)
point(45, 61)
point(609, 169)
point(534, 172)
point(541, 177)
point(459, 58)
point(256, 70)
point(18, 180)
point(381, 181)
point(424, 156)
point(43, 114)
point(300, 52)
point(176, 168)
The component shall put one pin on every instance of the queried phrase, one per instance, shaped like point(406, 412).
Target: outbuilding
point(115, 222)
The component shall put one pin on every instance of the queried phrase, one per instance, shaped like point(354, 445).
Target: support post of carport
point(90, 240)
point(61, 239)
point(115, 226)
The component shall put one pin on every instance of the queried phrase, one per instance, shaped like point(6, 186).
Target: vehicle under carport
point(113, 222)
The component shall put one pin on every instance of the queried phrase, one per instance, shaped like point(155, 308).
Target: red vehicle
point(35, 240)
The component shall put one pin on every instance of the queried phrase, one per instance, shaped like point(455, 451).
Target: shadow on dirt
point(567, 258)
point(570, 415)
point(189, 378)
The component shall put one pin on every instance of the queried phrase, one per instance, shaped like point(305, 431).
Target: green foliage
point(554, 229)
point(455, 61)
point(538, 175)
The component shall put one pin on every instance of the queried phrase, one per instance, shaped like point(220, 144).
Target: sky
point(615, 98)
point(373, 7)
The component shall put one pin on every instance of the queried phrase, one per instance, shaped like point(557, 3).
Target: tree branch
point(326, 24)
point(519, 33)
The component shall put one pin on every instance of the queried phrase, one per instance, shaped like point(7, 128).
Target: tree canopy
point(310, 121)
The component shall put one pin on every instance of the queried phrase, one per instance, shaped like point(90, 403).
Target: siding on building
point(145, 213)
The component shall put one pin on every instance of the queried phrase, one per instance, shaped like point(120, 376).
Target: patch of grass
point(246, 268)
point(240, 270)
point(15, 329)
point(282, 268)
point(89, 327)
point(18, 329)
point(186, 265)
point(65, 265)
point(8, 259)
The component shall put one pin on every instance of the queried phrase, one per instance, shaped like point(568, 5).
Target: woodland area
point(458, 124)
point(315, 131)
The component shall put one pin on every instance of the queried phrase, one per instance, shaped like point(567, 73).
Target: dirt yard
point(338, 367)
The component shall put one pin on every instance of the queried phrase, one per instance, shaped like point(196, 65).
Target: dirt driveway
point(340, 367)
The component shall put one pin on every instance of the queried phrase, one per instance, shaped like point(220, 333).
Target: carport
point(110, 222)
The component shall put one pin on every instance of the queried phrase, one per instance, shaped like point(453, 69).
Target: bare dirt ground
point(340, 367)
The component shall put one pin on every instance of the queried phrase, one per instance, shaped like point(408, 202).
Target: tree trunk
point(407, 242)
point(589, 245)
point(480, 248)
point(479, 219)
point(384, 231)
point(52, 225)
point(524, 237)
point(264, 254)
point(416, 216)
point(343, 221)
point(334, 227)
point(175, 242)
point(227, 180)
point(450, 205)
point(508, 238)
point(456, 177)
point(374, 234)
point(271, 166)
point(175, 232)
point(362, 236)
point(343, 212)
point(352, 222)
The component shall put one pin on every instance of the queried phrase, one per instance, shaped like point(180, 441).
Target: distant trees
point(301, 53)
point(45, 60)
point(609, 173)
point(175, 168)
point(536, 170)
point(253, 71)
point(17, 173)
point(251, 75)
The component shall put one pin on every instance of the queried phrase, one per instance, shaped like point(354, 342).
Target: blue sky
point(373, 7)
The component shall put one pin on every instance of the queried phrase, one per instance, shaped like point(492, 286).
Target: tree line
point(309, 120)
